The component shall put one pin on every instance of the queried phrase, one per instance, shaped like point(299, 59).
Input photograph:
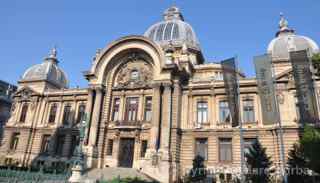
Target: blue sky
point(29, 29)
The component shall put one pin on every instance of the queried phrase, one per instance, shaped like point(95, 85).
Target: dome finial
point(283, 24)
point(53, 52)
point(52, 56)
point(172, 13)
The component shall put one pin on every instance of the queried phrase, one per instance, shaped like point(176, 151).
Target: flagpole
point(240, 123)
point(279, 130)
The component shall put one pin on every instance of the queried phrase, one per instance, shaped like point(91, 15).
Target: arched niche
point(112, 57)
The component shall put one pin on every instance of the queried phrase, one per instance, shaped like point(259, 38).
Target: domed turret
point(173, 30)
point(47, 71)
point(286, 40)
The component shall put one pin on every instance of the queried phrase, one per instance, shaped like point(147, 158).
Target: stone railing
point(128, 123)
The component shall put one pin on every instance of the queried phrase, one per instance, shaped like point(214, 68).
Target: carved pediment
point(26, 93)
point(285, 76)
point(135, 73)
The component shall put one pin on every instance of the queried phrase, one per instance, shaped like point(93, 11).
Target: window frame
point(131, 112)
point(245, 110)
point(225, 109)
point(204, 111)
point(45, 150)
point(24, 113)
point(110, 145)
point(51, 114)
point(81, 114)
point(14, 141)
point(245, 142)
point(143, 148)
point(148, 108)
point(199, 139)
point(219, 150)
point(116, 108)
point(67, 115)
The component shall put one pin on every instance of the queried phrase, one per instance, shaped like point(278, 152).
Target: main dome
point(286, 40)
point(48, 70)
point(173, 30)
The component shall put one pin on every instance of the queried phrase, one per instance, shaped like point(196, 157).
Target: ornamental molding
point(134, 73)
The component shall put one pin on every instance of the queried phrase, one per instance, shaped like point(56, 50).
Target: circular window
point(134, 75)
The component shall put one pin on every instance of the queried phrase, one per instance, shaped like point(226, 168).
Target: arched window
point(52, 114)
point(67, 115)
point(24, 111)
point(81, 113)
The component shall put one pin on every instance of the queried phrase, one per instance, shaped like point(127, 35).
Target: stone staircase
point(112, 173)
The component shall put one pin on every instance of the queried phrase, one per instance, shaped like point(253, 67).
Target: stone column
point(156, 100)
point(166, 119)
point(88, 113)
point(95, 117)
point(92, 150)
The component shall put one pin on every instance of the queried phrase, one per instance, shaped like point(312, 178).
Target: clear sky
point(30, 28)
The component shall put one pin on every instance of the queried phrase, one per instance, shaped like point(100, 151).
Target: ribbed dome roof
point(286, 40)
point(173, 30)
point(48, 70)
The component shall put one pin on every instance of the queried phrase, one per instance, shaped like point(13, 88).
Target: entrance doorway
point(126, 152)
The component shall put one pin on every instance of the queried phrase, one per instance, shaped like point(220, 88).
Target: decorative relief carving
point(135, 73)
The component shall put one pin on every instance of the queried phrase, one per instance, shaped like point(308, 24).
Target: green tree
point(198, 172)
point(258, 164)
point(310, 142)
point(297, 165)
point(316, 63)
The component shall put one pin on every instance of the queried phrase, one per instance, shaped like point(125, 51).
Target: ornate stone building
point(6, 92)
point(153, 103)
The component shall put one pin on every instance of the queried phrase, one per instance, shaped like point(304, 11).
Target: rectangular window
point(202, 112)
point(144, 146)
point(297, 107)
point(148, 109)
point(248, 142)
point(131, 109)
point(110, 147)
point(74, 143)
point(248, 111)
point(81, 113)
point(53, 112)
point(59, 144)
point(66, 115)
point(24, 112)
point(225, 149)
point(14, 141)
point(45, 144)
point(224, 112)
point(201, 148)
point(116, 106)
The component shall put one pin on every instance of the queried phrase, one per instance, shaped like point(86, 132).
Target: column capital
point(156, 84)
point(167, 83)
point(97, 87)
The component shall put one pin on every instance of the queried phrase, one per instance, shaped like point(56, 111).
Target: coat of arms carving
point(134, 74)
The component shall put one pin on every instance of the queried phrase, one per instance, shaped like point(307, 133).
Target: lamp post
point(78, 164)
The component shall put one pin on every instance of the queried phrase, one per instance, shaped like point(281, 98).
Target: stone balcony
point(123, 124)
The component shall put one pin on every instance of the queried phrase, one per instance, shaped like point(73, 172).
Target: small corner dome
point(48, 70)
point(286, 40)
point(173, 30)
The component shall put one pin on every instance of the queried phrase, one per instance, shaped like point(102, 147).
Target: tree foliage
point(310, 142)
point(258, 164)
point(297, 165)
point(316, 63)
point(198, 172)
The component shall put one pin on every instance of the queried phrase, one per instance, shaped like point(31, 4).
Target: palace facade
point(153, 103)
